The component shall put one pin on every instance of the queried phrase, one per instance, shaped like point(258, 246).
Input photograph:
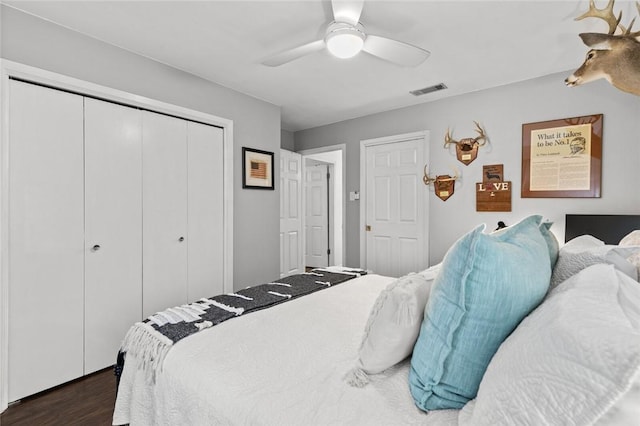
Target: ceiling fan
point(345, 37)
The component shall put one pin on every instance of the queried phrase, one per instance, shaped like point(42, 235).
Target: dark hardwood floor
point(87, 401)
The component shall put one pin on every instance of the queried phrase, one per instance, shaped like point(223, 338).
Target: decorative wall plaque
point(493, 194)
point(444, 186)
point(493, 173)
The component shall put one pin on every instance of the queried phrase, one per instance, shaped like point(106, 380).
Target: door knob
point(181, 239)
point(96, 247)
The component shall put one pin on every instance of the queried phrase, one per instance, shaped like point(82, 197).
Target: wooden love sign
point(493, 194)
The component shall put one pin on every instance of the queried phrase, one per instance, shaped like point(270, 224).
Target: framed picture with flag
point(257, 169)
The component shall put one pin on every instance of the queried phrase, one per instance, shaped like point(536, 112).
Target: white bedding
point(255, 370)
point(285, 366)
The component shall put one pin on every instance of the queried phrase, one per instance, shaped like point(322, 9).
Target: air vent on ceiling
point(429, 89)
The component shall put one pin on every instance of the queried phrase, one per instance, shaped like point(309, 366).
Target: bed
point(331, 358)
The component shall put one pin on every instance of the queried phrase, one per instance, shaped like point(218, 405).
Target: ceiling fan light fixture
point(344, 41)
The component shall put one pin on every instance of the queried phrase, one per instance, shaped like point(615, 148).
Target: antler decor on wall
point(443, 185)
point(467, 149)
point(614, 57)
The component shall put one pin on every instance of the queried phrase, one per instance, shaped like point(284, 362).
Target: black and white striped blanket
point(149, 341)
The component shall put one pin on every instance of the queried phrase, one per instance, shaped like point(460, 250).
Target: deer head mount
point(467, 149)
point(614, 57)
point(444, 185)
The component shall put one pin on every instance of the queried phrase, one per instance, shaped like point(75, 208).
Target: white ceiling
point(474, 45)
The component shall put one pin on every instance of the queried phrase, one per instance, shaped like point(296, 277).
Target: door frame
point(338, 254)
point(11, 69)
point(366, 143)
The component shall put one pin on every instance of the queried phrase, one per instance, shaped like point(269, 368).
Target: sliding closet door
point(46, 238)
point(113, 208)
point(205, 186)
point(164, 189)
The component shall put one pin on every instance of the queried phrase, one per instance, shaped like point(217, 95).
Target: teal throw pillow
point(551, 240)
point(487, 284)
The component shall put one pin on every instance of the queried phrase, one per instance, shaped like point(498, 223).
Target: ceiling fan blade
point(347, 11)
point(400, 53)
point(293, 54)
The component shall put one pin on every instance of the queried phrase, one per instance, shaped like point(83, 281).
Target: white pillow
point(582, 243)
point(431, 273)
point(393, 325)
point(570, 360)
point(632, 239)
point(587, 250)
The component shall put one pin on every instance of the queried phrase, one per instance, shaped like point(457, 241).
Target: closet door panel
point(164, 189)
point(113, 208)
point(46, 238)
point(206, 195)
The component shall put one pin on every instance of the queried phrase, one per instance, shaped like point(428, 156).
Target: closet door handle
point(181, 239)
point(96, 247)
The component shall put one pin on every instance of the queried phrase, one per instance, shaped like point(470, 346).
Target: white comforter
point(286, 365)
point(281, 366)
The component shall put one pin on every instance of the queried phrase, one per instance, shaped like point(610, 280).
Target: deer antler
point(426, 179)
point(609, 17)
point(627, 32)
point(456, 175)
point(481, 135)
point(448, 140)
point(605, 14)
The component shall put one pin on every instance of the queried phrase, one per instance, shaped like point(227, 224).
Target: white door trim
point(10, 69)
point(343, 149)
point(364, 144)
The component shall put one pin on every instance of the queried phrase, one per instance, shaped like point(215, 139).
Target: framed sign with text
point(562, 158)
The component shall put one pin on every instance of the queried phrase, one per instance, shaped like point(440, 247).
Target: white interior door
point(395, 208)
point(316, 216)
point(205, 241)
point(291, 255)
point(46, 238)
point(164, 206)
point(333, 157)
point(113, 214)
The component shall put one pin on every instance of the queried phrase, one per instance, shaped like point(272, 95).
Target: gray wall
point(286, 140)
point(501, 111)
point(32, 41)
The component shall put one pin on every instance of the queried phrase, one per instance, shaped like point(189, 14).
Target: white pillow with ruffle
point(393, 325)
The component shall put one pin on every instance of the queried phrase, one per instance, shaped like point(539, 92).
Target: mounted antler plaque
point(467, 149)
point(443, 185)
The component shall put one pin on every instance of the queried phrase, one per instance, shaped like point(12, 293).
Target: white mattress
point(282, 366)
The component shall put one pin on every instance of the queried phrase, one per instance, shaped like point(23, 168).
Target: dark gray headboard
point(609, 228)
